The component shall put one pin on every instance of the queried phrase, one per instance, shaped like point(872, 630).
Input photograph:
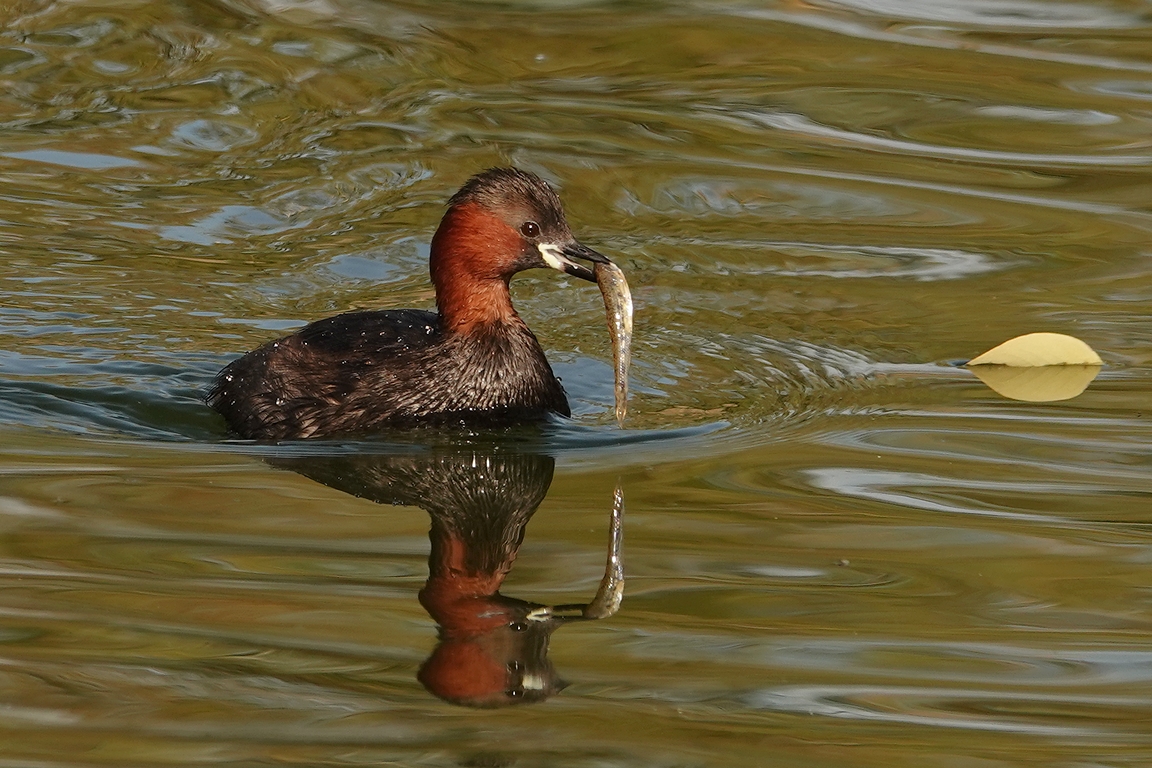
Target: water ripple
point(863, 31)
point(1002, 14)
point(979, 710)
point(803, 125)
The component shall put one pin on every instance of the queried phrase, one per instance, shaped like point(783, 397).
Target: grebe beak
point(559, 256)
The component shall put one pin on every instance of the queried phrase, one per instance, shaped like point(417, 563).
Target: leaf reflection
point(1044, 384)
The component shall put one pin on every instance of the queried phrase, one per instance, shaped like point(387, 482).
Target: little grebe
point(474, 362)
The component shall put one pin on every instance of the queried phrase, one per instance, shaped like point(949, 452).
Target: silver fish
point(618, 305)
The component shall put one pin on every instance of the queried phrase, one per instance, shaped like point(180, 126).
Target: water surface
point(841, 549)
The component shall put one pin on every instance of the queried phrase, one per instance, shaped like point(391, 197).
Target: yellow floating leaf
point(1038, 384)
point(1039, 349)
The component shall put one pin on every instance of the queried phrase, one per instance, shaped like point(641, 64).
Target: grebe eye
point(530, 229)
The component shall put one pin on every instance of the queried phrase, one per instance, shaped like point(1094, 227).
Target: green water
point(841, 549)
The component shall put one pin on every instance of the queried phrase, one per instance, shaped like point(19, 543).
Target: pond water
point(841, 549)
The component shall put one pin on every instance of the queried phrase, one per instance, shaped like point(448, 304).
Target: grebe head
point(502, 221)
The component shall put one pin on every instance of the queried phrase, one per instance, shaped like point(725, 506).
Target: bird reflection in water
point(493, 649)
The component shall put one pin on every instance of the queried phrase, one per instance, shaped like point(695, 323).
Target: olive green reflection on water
point(842, 549)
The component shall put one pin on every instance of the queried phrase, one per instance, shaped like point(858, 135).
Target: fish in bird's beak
point(617, 303)
point(559, 256)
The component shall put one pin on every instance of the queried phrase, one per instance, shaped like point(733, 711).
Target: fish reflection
point(492, 649)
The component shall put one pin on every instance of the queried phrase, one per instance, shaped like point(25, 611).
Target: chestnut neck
point(473, 251)
point(456, 590)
